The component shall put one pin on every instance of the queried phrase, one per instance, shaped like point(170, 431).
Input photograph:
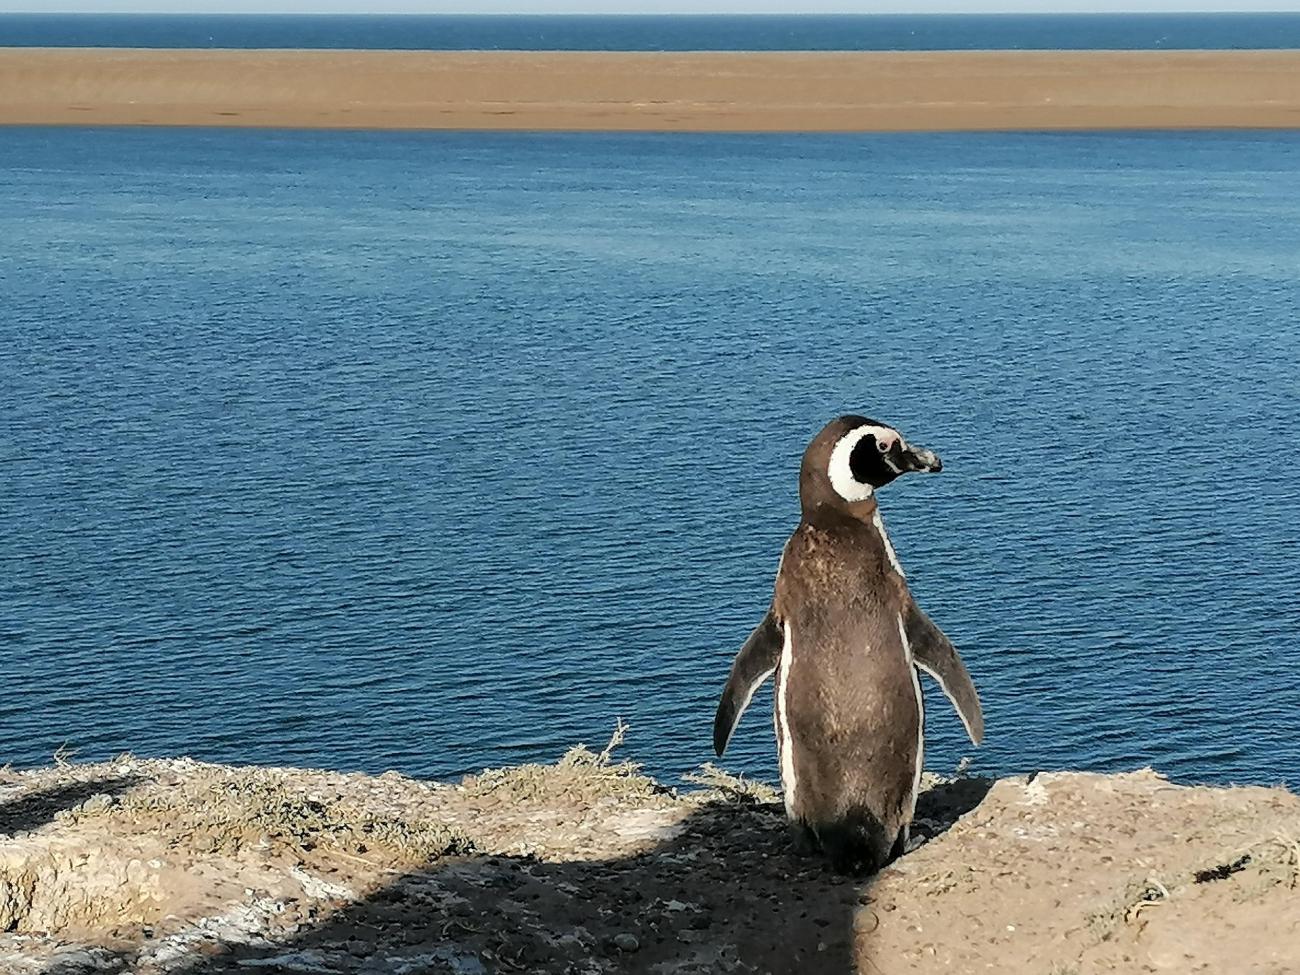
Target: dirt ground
point(586, 866)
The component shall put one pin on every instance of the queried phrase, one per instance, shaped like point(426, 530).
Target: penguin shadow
point(721, 891)
point(37, 809)
point(940, 806)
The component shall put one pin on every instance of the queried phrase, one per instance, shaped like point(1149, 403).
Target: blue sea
point(447, 450)
point(659, 33)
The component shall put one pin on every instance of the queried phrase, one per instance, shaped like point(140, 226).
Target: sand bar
point(725, 92)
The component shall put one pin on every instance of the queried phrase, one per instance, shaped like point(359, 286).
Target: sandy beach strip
point(722, 92)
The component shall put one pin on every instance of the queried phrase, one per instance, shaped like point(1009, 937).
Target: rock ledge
point(586, 866)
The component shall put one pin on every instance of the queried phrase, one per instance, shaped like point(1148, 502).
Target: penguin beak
point(919, 459)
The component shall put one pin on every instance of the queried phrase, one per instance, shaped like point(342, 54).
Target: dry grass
point(224, 810)
point(1271, 862)
point(1138, 896)
point(580, 775)
point(719, 784)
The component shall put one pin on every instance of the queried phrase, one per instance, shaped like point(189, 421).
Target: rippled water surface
point(445, 450)
point(624, 32)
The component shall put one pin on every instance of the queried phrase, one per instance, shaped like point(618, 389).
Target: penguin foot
point(804, 840)
point(857, 853)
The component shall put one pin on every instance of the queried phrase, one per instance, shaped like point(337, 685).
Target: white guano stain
point(317, 888)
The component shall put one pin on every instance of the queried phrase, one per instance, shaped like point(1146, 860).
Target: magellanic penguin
point(845, 639)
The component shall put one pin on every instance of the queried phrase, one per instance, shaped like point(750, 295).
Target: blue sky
point(639, 6)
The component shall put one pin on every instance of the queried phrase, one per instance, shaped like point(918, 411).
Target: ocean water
point(659, 33)
point(439, 451)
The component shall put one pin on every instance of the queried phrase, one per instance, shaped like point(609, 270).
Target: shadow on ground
point(722, 891)
point(37, 809)
point(940, 806)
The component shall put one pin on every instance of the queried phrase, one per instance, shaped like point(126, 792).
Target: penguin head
point(854, 455)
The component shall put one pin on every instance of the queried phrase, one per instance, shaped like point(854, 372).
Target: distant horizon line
point(629, 13)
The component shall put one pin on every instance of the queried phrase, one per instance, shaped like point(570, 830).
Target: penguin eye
point(883, 445)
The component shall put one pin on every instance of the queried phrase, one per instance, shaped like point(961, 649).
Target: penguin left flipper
point(755, 662)
point(934, 653)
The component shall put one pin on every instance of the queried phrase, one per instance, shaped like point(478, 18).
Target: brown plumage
point(844, 639)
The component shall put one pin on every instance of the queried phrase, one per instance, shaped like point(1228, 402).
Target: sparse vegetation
point(224, 810)
point(580, 774)
point(718, 783)
point(589, 865)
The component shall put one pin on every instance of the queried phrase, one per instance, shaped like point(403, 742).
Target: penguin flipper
point(753, 665)
point(934, 653)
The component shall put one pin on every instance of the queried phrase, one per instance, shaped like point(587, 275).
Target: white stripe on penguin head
point(840, 470)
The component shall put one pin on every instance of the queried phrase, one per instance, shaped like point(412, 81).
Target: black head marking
point(869, 464)
point(851, 457)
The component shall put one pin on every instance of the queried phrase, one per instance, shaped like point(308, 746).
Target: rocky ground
point(586, 866)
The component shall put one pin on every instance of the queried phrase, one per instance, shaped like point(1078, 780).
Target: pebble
point(626, 942)
point(98, 803)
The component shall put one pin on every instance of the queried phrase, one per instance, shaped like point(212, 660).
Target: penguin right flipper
point(755, 662)
point(934, 653)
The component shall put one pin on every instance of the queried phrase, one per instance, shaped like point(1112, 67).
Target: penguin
point(845, 641)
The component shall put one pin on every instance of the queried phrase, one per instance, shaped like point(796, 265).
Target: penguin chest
point(848, 718)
